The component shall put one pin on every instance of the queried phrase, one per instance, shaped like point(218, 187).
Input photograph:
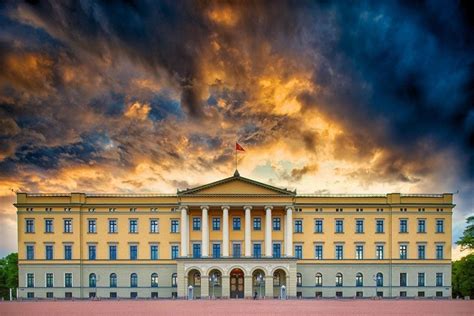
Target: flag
point(238, 147)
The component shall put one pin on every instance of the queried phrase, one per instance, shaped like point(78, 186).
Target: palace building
point(234, 238)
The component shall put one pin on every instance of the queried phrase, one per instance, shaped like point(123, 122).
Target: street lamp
point(213, 283)
point(260, 281)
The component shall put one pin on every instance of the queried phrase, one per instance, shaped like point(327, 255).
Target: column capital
point(247, 207)
point(268, 207)
point(181, 207)
point(205, 207)
point(225, 207)
point(291, 207)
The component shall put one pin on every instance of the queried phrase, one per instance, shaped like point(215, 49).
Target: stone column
point(225, 286)
point(204, 286)
point(205, 231)
point(269, 286)
point(184, 231)
point(268, 231)
point(248, 232)
point(248, 286)
point(289, 232)
point(225, 233)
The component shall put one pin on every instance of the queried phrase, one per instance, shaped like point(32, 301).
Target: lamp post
point(260, 281)
point(213, 283)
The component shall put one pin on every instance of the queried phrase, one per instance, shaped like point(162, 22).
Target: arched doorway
point(279, 279)
point(258, 283)
point(194, 279)
point(215, 284)
point(236, 283)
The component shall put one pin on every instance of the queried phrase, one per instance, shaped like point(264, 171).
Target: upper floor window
point(196, 223)
point(48, 225)
point(30, 280)
point(49, 280)
point(359, 252)
point(112, 226)
point(421, 279)
point(276, 250)
point(113, 280)
point(359, 226)
point(30, 225)
point(133, 252)
point(318, 252)
point(236, 250)
point(276, 223)
point(257, 223)
point(174, 251)
point(67, 252)
point(403, 226)
point(318, 279)
point(440, 226)
point(257, 250)
point(379, 279)
point(68, 225)
point(318, 225)
point(421, 226)
point(92, 252)
point(339, 279)
point(439, 279)
point(68, 279)
point(339, 226)
point(379, 252)
point(359, 279)
point(174, 280)
point(298, 225)
point(421, 252)
point(92, 280)
point(299, 251)
point(30, 252)
point(133, 280)
point(49, 252)
point(339, 252)
point(236, 223)
point(175, 226)
point(403, 252)
point(112, 252)
point(299, 279)
point(154, 280)
point(154, 226)
point(216, 250)
point(154, 252)
point(92, 226)
point(403, 279)
point(196, 250)
point(379, 226)
point(439, 252)
point(133, 226)
point(216, 223)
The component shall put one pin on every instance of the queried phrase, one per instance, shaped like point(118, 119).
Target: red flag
point(238, 147)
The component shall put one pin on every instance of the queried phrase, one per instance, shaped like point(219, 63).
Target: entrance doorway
point(279, 279)
point(215, 284)
point(194, 280)
point(236, 283)
point(258, 283)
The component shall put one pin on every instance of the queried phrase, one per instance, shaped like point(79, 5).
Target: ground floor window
point(439, 294)
point(339, 294)
point(133, 294)
point(91, 294)
point(421, 294)
point(359, 294)
point(403, 294)
point(30, 295)
point(174, 294)
point(113, 294)
point(299, 294)
point(154, 294)
point(380, 294)
point(49, 295)
point(68, 295)
point(319, 294)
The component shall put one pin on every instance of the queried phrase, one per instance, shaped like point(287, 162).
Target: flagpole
point(235, 157)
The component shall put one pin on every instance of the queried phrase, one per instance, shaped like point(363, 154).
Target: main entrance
point(236, 283)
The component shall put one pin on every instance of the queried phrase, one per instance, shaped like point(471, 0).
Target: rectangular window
point(154, 226)
point(403, 226)
point(379, 252)
point(30, 225)
point(236, 248)
point(216, 223)
point(196, 250)
point(49, 252)
point(216, 250)
point(174, 251)
point(359, 252)
point(67, 252)
point(30, 280)
point(421, 279)
point(379, 226)
point(439, 279)
point(318, 252)
point(112, 226)
point(49, 280)
point(92, 252)
point(30, 252)
point(439, 252)
point(421, 226)
point(30, 294)
point(175, 226)
point(299, 251)
point(403, 252)
point(276, 250)
point(403, 279)
point(421, 252)
point(68, 280)
point(339, 226)
point(196, 223)
point(49, 295)
point(359, 226)
point(339, 252)
point(68, 225)
point(48, 225)
point(236, 223)
point(440, 226)
point(257, 250)
point(257, 223)
point(112, 252)
point(133, 252)
point(92, 227)
point(133, 226)
point(318, 226)
point(298, 225)
point(154, 252)
point(276, 223)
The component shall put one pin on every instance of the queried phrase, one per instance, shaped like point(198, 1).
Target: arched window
point(339, 281)
point(133, 280)
point(299, 279)
point(379, 279)
point(359, 279)
point(174, 280)
point(92, 280)
point(113, 280)
point(319, 279)
point(154, 280)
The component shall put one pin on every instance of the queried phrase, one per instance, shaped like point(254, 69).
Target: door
point(237, 284)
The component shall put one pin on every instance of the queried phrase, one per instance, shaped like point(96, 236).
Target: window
point(318, 226)
point(440, 226)
point(113, 280)
point(30, 280)
point(421, 279)
point(236, 223)
point(359, 226)
point(154, 226)
point(403, 252)
point(154, 280)
point(359, 279)
point(49, 252)
point(439, 252)
point(257, 223)
point(174, 251)
point(49, 280)
point(439, 279)
point(257, 250)
point(112, 226)
point(379, 252)
point(92, 227)
point(379, 226)
point(403, 279)
point(68, 225)
point(298, 225)
point(299, 279)
point(133, 226)
point(49, 295)
point(403, 226)
point(68, 280)
point(112, 252)
point(299, 251)
point(196, 223)
point(175, 226)
point(216, 250)
point(133, 280)
point(216, 223)
point(318, 252)
point(339, 279)
point(276, 250)
point(339, 226)
point(379, 279)
point(133, 252)
point(92, 252)
point(133, 294)
point(30, 225)
point(236, 250)
point(319, 279)
point(30, 295)
point(48, 225)
point(154, 252)
point(174, 280)
point(339, 252)
point(196, 250)
point(92, 280)
point(276, 223)
point(359, 252)
point(30, 252)
point(421, 226)
point(67, 252)
point(421, 252)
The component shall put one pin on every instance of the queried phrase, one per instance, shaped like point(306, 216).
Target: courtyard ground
point(240, 307)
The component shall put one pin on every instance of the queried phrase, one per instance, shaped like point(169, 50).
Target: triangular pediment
point(236, 185)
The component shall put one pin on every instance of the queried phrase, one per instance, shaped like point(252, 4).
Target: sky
point(151, 96)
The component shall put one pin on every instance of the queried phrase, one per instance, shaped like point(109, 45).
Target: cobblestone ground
point(240, 307)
